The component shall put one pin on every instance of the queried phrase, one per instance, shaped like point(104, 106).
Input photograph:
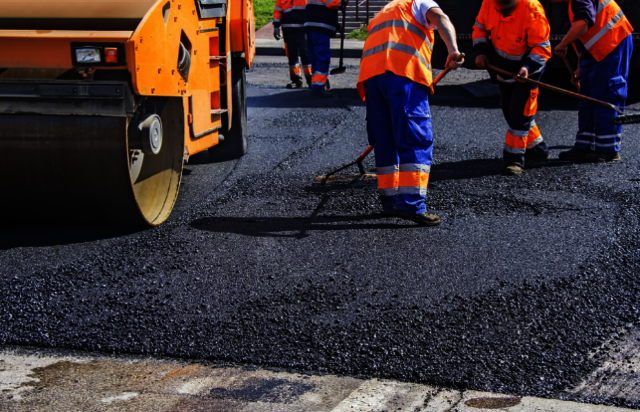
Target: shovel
point(622, 119)
point(341, 69)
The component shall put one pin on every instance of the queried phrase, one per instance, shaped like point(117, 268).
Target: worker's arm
point(277, 16)
point(538, 32)
point(448, 33)
point(480, 37)
point(578, 29)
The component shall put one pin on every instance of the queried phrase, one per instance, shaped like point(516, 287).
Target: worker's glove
point(276, 33)
point(522, 74)
point(482, 61)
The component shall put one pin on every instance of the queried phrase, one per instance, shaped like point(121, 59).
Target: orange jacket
point(397, 43)
point(524, 33)
point(610, 29)
point(289, 14)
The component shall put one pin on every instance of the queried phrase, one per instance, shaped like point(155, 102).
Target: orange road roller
point(102, 102)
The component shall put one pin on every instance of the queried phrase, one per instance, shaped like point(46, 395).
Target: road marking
point(126, 396)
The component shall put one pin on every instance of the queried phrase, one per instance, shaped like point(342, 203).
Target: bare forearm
point(578, 29)
point(445, 28)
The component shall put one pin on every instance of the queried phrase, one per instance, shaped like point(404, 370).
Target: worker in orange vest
point(288, 15)
point(395, 82)
point(602, 36)
point(514, 35)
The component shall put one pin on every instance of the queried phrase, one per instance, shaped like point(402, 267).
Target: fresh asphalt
point(526, 277)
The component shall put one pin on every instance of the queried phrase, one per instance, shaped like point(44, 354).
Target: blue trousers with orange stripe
point(605, 80)
point(319, 46)
point(399, 129)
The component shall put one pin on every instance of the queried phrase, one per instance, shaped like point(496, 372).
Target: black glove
point(276, 33)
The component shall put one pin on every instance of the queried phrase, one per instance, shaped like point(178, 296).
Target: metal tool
point(574, 79)
point(360, 159)
point(622, 119)
point(341, 69)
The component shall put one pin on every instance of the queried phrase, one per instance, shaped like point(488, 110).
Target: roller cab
point(101, 102)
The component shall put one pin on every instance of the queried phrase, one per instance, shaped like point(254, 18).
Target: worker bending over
point(602, 35)
point(514, 35)
point(321, 24)
point(289, 15)
point(396, 81)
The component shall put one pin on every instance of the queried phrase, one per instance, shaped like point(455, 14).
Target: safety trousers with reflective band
point(295, 45)
point(603, 80)
point(399, 129)
point(519, 106)
point(320, 56)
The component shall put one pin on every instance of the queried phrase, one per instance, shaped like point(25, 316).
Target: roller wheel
point(234, 145)
point(72, 169)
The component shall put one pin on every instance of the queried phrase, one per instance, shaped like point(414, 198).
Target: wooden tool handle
point(446, 71)
point(557, 89)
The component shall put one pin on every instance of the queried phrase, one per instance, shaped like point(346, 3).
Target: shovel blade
point(338, 70)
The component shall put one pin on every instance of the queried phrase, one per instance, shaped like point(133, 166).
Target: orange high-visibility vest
point(526, 30)
point(397, 43)
point(611, 28)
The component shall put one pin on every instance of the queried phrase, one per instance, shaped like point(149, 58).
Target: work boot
point(322, 93)
point(574, 154)
point(422, 219)
point(295, 85)
point(513, 170)
point(536, 154)
point(599, 157)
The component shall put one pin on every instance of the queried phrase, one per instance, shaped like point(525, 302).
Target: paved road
point(529, 287)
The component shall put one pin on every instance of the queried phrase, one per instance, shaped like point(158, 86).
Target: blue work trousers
point(319, 48)
point(605, 80)
point(399, 129)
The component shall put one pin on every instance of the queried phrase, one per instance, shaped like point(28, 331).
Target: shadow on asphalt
point(298, 228)
point(28, 235)
point(303, 99)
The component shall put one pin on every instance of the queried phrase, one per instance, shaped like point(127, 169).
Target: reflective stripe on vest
point(391, 45)
point(405, 25)
point(610, 29)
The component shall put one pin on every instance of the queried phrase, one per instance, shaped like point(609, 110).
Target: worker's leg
point(322, 51)
point(304, 57)
point(411, 122)
point(381, 138)
point(311, 52)
point(585, 138)
point(537, 149)
point(291, 40)
point(609, 83)
point(515, 143)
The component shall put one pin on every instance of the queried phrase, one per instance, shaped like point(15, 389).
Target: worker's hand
point(455, 60)
point(482, 61)
point(522, 74)
point(561, 50)
point(276, 33)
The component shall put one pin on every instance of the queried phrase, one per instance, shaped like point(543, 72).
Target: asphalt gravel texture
point(526, 277)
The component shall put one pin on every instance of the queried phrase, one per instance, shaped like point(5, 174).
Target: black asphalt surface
point(524, 279)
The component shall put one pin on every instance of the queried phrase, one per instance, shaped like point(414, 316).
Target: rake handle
point(557, 89)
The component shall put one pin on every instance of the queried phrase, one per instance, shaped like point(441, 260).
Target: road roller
point(103, 101)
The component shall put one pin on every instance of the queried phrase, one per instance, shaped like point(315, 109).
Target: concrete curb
point(270, 47)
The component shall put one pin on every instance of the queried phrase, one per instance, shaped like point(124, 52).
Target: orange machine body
point(151, 50)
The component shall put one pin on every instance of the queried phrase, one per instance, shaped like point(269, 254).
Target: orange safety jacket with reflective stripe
point(610, 29)
point(525, 31)
point(289, 14)
point(397, 43)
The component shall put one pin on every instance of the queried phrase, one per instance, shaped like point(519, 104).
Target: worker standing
point(289, 15)
point(395, 81)
point(602, 35)
point(321, 24)
point(514, 36)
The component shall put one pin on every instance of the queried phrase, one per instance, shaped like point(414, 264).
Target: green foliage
point(360, 34)
point(264, 12)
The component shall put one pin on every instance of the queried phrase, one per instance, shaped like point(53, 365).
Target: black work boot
point(422, 219)
point(599, 157)
point(538, 153)
point(296, 82)
point(513, 164)
point(574, 154)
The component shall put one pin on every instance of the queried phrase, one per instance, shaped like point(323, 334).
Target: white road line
point(378, 396)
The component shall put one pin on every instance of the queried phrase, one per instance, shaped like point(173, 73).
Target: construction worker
point(395, 81)
point(514, 36)
point(321, 24)
point(289, 15)
point(602, 35)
